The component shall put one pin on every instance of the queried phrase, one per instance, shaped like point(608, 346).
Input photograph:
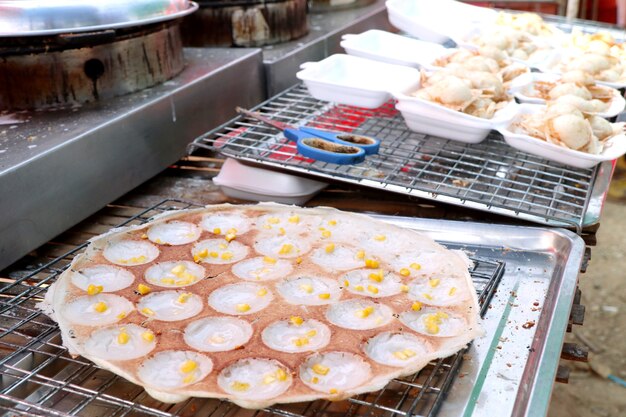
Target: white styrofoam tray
point(394, 49)
point(356, 81)
point(524, 83)
point(613, 149)
point(437, 21)
point(246, 182)
point(434, 119)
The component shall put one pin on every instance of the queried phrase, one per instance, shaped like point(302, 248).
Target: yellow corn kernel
point(281, 375)
point(242, 308)
point(273, 220)
point(315, 380)
point(262, 292)
point(417, 306)
point(285, 249)
point(267, 226)
point(372, 289)
point(201, 255)
point(380, 238)
point(326, 234)
point(222, 246)
point(188, 379)
point(297, 320)
point(157, 240)
point(281, 231)
point(320, 369)
point(409, 353)
point(183, 282)
point(452, 291)
point(330, 248)
point(333, 391)
point(324, 296)
point(311, 333)
point(123, 338)
point(188, 366)
point(427, 296)
point(178, 269)
point(365, 312)
point(230, 236)
point(416, 266)
point(168, 281)
point(358, 288)
point(400, 355)
point(100, 307)
point(308, 288)
point(240, 386)
point(184, 297)
point(346, 283)
point(94, 289)
point(432, 328)
point(227, 256)
point(269, 260)
point(122, 315)
point(404, 288)
point(298, 260)
point(268, 379)
point(377, 276)
point(217, 231)
point(232, 230)
point(372, 263)
point(214, 254)
point(217, 339)
point(441, 315)
point(147, 336)
point(147, 311)
point(434, 282)
point(301, 341)
point(405, 272)
point(332, 222)
point(144, 236)
point(360, 254)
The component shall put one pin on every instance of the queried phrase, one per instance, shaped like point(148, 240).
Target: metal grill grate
point(39, 377)
point(489, 176)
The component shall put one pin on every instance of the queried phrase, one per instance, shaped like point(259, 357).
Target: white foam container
point(524, 83)
point(393, 49)
point(437, 20)
point(356, 81)
point(426, 117)
point(614, 147)
point(246, 182)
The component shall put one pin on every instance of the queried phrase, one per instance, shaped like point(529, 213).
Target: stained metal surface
point(490, 176)
point(50, 17)
point(509, 371)
point(59, 166)
point(282, 61)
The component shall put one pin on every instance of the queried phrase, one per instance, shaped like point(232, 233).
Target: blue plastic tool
point(322, 145)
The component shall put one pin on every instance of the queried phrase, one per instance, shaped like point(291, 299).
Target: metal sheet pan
point(510, 371)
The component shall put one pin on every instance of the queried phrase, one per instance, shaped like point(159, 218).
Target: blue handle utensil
point(322, 145)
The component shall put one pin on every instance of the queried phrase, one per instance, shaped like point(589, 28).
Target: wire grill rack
point(39, 377)
point(489, 176)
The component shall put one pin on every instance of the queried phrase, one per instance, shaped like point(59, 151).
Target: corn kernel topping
point(296, 320)
point(148, 336)
point(285, 249)
point(240, 386)
point(262, 292)
point(434, 282)
point(188, 366)
point(416, 266)
point(100, 307)
point(320, 369)
point(372, 263)
point(330, 248)
point(405, 272)
point(123, 338)
point(372, 289)
point(324, 296)
point(452, 291)
point(94, 289)
point(217, 231)
point(417, 306)
point(242, 308)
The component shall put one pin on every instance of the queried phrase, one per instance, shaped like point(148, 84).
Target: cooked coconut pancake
point(264, 304)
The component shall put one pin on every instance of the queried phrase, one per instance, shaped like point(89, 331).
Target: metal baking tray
point(489, 176)
point(529, 274)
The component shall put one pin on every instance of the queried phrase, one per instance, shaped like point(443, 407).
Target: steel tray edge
point(535, 389)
